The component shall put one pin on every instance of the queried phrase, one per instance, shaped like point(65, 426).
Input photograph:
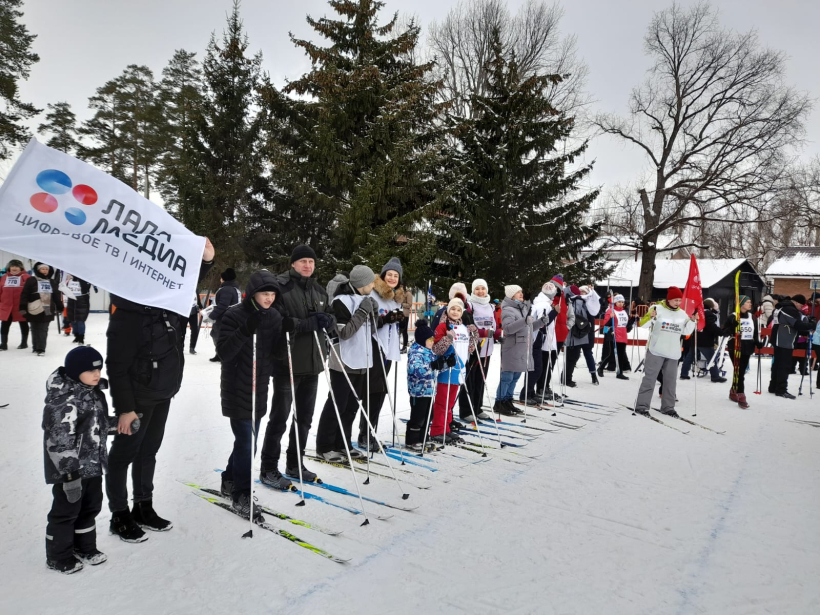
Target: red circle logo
point(84, 194)
point(43, 202)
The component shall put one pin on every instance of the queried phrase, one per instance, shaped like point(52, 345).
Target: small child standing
point(75, 425)
point(454, 343)
point(421, 363)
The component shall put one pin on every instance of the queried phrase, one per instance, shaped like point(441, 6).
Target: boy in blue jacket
point(421, 365)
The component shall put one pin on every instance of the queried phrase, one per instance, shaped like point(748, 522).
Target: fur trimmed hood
point(387, 293)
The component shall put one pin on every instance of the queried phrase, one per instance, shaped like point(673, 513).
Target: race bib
point(747, 329)
point(12, 282)
point(623, 318)
point(484, 322)
point(74, 287)
point(43, 286)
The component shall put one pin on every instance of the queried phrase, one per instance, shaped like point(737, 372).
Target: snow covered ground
point(620, 516)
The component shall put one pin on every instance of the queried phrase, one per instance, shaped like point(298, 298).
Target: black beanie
point(300, 252)
point(82, 359)
point(423, 332)
point(228, 275)
point(801, 299)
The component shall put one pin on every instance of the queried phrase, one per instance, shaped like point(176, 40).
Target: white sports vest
point(356, 352)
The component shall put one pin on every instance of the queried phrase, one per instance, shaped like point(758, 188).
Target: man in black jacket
point(144, 364)
point(707, 341)
point(227, 294)
point(305, 308)
point(254, 316)
point(788, 322)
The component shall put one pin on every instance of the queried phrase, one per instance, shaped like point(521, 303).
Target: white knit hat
point(457, 302)
point(458, 287)
point(479, 282)
point(509, 291)
point(618, 298)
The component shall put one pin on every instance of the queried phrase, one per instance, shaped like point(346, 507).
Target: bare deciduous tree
point(462, 46)
point(715, 120)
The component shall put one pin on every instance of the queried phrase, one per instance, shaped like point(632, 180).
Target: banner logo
point(56, 183)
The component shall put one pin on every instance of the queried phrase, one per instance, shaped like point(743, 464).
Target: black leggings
point(5, 327)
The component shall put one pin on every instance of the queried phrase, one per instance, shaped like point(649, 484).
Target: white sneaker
point(470, 418)
point(484, 416)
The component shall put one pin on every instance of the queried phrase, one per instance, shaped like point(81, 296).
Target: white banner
point(64, 212)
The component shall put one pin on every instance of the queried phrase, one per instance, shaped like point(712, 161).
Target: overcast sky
point(84, 43)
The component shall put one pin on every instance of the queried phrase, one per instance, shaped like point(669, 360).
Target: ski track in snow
point(623, 516)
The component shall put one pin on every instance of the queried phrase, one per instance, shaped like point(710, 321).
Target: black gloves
point(252, 323)
point(438, 364)
point(391, 317)
point(323, 321)
point(451, 360)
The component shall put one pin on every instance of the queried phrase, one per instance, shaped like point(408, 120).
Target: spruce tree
point(143, 125)
point(516, 214)
point(354, 153)
point(180, 94)
point(61, 124)
point(105, 144)
point(16, 59)
point(225, 186)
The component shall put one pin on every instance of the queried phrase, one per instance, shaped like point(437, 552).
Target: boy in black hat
point(75, 424)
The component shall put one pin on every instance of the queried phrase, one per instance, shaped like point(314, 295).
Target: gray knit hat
point(361, 276)
point(394, 264)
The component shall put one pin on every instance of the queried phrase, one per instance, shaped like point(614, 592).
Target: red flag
point(693, 294)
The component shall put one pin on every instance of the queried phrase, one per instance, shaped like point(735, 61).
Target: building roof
point(797, 261)
point(668, 273)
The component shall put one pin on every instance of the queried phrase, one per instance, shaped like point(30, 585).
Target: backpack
point(582, 324)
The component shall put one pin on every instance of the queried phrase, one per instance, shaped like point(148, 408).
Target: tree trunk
point(649, 254)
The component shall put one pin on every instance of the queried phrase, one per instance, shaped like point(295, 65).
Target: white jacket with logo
point(668, 326)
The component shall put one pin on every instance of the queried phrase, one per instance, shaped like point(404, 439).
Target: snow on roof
point(672, 272)
point(798, 261)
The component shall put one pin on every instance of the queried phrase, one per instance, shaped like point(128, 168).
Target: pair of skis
point(684, 419)
point(217, 499)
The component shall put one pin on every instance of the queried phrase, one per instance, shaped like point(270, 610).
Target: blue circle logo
point(54, 181)
point(75, 216)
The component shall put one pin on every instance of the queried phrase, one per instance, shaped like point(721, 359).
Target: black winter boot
point(124, 526)
point(24, 342)
point(145, 517)
point(4, 343)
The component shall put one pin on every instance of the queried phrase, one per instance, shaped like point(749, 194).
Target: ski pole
point(527, 367)
point(339, 419)
point(391, 399)
point(404, 494)
point(295, 422)
point(486, 391)
point(249, 533)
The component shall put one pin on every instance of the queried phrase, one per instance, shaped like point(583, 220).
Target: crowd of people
point(285, 331)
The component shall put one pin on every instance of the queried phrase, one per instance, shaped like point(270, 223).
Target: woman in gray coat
point(516, 352)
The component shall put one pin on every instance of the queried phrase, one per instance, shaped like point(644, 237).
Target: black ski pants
point(305, 388)
point(39, 335)
point(548, 364)
point(72, 526)
point(418, 423)
point(574, 353)
point(193, 322)
point(474, 382)
point(740, 372)
point(329, 437)
point(780, 370)
point(5, 327)
point(139, 449)
point(378, 393)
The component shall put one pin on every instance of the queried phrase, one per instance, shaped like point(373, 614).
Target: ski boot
point(741, 400)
